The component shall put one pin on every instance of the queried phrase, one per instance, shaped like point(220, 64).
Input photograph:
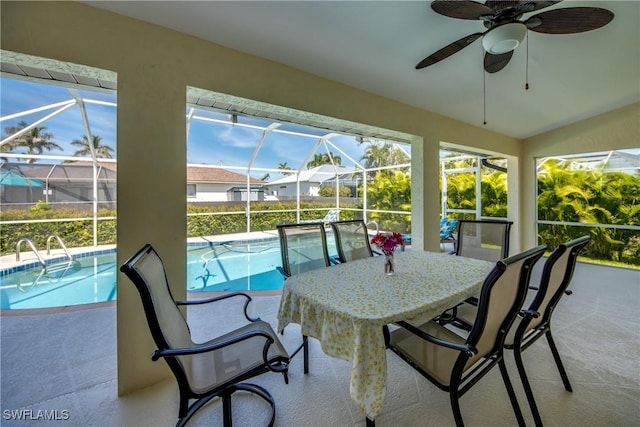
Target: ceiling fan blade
point(526, 6)
point(569, 20)
point(448, 50)
point(498, 6)
point(462, 9)
point(495, 63)
point(523, 6)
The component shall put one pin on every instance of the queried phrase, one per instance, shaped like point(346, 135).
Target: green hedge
point(80, 233)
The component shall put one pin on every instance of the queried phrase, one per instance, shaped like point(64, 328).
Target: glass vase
point(389, 264)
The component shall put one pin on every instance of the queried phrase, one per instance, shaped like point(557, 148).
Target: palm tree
point(285, 168)
point(35, 140)
point(324, 159)
point(102, 151)
point(379, 155)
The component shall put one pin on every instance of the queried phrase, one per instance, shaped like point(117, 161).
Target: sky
point(208, 143)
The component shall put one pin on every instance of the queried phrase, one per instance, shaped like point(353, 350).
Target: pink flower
point(387, 242)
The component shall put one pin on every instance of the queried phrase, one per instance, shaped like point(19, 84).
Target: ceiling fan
point(505, 31)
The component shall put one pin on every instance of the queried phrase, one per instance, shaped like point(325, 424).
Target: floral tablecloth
point(345, 307)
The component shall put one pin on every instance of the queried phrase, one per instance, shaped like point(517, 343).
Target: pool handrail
point(33, 248)
point(61, 243)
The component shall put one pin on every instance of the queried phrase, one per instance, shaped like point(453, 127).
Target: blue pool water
point(243, 266)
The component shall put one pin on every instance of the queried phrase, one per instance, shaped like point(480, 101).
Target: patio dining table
point(346, 307)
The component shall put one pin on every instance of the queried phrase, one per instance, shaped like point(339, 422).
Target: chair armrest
point(531, 313)
point(220, 298)
point(465, 348)
point(279, 366)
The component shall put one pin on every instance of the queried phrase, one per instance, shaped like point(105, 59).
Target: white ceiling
point(374, 45)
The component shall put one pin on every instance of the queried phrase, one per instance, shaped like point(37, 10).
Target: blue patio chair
point(331, 216)
point(447, 229)
point(447, 232)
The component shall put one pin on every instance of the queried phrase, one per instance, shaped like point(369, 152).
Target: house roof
point(82, 171)
point(215, 174)
point(71, 172)
point(317, 174)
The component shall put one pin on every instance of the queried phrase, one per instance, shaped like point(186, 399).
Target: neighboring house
point(72, 183)
point(56, 183)
point(208, 184)
point(311, 180)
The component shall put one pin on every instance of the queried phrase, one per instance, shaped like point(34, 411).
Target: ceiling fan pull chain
point(484, 96)
point(526, 76)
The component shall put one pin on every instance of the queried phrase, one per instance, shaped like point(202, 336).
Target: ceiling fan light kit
point(504, 38)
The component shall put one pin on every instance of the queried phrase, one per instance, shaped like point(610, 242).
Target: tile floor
point(66, 362)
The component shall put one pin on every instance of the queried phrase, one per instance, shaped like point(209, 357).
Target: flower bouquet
point(387, 243)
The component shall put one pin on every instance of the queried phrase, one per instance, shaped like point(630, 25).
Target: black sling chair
point(454, 363)
point(535, 321)
point(212, 369)
point(303, 247)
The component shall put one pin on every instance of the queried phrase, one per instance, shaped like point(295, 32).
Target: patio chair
point(447, 231)
point(455, 364)
point(535, 320)
point(331, 216)
point(352, 240)
point(483, 239)
point(216, 368)
point(303, 247)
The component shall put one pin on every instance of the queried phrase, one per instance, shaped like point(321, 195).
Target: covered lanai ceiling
point(374, 45)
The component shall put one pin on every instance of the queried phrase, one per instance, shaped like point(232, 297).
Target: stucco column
point(425, 194)
point(515, 192)
point(151, 206)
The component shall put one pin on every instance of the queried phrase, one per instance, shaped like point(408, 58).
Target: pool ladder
point(37, 253)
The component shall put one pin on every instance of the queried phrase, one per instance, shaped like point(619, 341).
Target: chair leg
point(264, 394)
point(305, 353)
point(225, 397)
point(527, 387)
point(556, 357)
point(227, 416)
point(511, 392)
point(455, 406)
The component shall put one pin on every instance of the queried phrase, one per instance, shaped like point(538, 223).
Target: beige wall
point(154, 66)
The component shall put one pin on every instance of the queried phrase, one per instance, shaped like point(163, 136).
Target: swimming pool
point(91, 278)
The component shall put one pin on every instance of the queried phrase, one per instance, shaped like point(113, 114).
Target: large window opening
point(58, 169)
point(250, 170)
point(473, 185)
point(596, 194)
point(57, 183)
